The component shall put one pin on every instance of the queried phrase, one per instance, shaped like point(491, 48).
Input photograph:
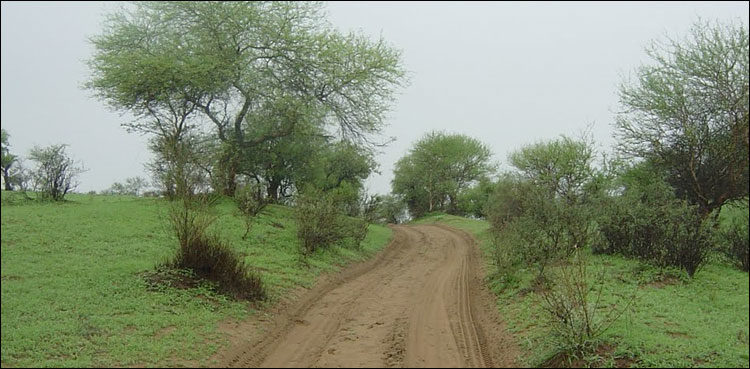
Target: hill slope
point(74, 291)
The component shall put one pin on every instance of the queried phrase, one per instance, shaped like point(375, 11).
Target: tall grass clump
point(206, 254)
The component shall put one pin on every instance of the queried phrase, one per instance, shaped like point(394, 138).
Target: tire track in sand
point(419, 303)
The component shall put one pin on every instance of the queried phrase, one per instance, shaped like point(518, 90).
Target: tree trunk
point(228, 166)
point(6, 178)
point(273, 189)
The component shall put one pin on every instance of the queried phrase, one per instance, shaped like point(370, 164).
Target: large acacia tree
point(687, 113)
point(437, 169)
point(224, 62)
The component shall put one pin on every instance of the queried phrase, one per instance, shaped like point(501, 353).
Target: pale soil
point(420, 303)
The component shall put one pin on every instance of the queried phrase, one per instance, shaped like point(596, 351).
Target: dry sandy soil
point(420, 303)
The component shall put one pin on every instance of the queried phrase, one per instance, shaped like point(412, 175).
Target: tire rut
point(419, 303)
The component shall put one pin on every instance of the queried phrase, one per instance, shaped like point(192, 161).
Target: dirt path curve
point(419, 303)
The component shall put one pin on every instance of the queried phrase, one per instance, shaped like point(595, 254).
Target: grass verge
point(674, 321)
point(78, 291)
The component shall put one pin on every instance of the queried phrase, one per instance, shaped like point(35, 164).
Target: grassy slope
point(701, 322)
point(73, 294)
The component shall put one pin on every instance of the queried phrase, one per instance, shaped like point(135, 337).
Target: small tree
point(55, 174)
point(438, 169)
point(250, 204)
point(8, 160)
point(688, 114)
point(543, 211)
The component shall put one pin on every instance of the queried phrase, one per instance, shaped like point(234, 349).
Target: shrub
point(55, 173)
point(734, 241)
point(533, 226)
point(207, 255)
point(391, 209)
point(319, 223)
point(578, 315)
point(250, 204)
point(650, 224)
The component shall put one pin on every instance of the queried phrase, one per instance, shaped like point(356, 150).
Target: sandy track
point(419, 303)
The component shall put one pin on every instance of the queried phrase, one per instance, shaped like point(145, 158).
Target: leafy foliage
point(688, 114)
point(133, 186)
point(733, 238)
point(235, 64)
point(321, 222)
point(55, 173)
point(648, 222)
point(438, 169)
point(391, 209)
point(543, 212)
point(7, 161)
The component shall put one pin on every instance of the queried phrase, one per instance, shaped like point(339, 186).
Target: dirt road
point(420, 303)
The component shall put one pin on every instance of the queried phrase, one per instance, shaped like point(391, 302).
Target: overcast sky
point(508, 74)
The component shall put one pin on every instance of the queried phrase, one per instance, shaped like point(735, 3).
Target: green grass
point(678, 322)
point(74, 295)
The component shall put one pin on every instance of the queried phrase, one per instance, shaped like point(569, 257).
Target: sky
point(506, 73)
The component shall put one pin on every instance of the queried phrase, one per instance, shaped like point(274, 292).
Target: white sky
point(508, 74)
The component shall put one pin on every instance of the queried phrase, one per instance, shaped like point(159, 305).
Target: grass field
point(74, 292)
point(672, 321)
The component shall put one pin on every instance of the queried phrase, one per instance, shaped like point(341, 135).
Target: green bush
point(390, 209)
point(734, 241)
point(319, 222)
point(647, 222)
point(533, 226)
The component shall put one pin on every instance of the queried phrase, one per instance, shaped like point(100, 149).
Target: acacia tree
point(55, 173)
point(687, 113)
point(439, 168)
point(562, 167)
point(8, 160)
point(232, 60)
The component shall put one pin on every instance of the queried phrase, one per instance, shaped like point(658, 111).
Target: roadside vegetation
point(638, 258)
point(80, 286)
point(669, 319)
point(264, 121)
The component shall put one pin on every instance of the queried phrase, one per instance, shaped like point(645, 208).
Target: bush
point(578, 315)
point(55, 173)
point(207, 255)
point(391, 209)
point(250, 204)
point(647, 222)
point(734, 241)
point(318, 221)
point(533, 226)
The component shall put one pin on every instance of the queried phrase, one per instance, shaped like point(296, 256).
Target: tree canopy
point(687, 112)
point(437, 169)
point(176, 64)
